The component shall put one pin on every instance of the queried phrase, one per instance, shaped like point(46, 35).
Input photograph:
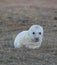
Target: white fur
point(27, 38)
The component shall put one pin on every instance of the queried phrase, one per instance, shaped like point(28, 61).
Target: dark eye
point(33, 32)
point(40, 33)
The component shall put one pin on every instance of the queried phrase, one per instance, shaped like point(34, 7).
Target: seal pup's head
point(36, 33)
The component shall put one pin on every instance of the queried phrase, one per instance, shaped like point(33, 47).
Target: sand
point(19, 15)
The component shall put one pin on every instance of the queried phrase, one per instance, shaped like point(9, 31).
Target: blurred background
point(19, 15)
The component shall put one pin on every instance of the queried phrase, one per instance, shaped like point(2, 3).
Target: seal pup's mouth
point(36, 39)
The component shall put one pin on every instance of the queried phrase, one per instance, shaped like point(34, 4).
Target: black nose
point(37, 39)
